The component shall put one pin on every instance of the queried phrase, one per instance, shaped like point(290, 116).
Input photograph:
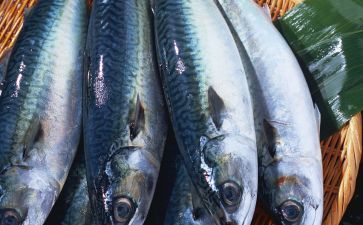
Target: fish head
point(230, 162)
point(26, 195)
point(128, 187)
point(293, 191)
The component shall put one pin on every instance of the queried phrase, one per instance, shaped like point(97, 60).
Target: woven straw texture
point(341, 152)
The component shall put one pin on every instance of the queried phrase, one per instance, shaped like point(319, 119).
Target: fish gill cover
point(327, 38)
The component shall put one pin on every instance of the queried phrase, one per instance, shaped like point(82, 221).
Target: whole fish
point(40, 110)
point(72, 206)
point(124, 116)
point(210, 107)
point(287, 127)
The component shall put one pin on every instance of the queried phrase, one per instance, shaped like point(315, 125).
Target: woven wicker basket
point(341, 152)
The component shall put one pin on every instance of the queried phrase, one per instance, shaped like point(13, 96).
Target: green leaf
point(327, 38)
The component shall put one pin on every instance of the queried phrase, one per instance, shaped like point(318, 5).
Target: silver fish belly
point(287, 127)
point(124, 115)
point(209, 103)
point(40, 110)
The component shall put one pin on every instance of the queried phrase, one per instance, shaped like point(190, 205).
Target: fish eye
point(231, 193)
point(291, 211)
point(9, 217)
point(123, 209)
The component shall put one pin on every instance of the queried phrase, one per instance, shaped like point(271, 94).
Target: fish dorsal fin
point(216, 107)
point(272, 137)
point(137, 119)
point(32, 135)
point(317, 117)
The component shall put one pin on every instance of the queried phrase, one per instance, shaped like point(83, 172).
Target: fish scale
point(194, 44)
point(124, 117)
point(40, 110)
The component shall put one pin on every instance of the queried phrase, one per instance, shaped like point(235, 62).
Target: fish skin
point(173, 205)
point(79, 210)
point(195, 48)
point(122, 161)
point(180, 207)
point(40, 110)
point(293, 169)
point(73, 206)
point(177, 191)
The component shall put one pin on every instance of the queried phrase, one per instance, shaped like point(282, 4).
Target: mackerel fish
point(124, 115)
point(287, 126)
point(40, 110)
point(210, 107)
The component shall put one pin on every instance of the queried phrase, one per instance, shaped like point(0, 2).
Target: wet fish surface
point(124, 115)
point(287, 126)
point(40, 110)
point(180, 207)
point(210, 107)
point(72, 206)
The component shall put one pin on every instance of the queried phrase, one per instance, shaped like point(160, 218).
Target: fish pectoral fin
point(216, 107)
point(32, 135)
point(272, 137)
point(137, 122)
point(317, 117)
